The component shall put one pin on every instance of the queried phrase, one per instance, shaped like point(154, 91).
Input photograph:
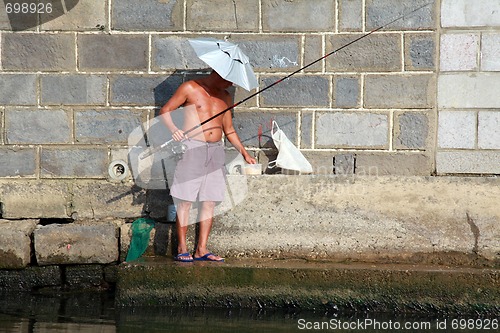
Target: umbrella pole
point(153, 150)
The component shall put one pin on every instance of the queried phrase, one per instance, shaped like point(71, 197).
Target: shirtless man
point(199, 174)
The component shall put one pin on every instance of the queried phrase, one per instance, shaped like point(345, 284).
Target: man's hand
point(250, 160)
point(178, 135)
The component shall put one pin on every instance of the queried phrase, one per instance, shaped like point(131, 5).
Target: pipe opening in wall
point(118, 170)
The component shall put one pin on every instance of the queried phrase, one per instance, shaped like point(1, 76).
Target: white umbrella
point(227, 60)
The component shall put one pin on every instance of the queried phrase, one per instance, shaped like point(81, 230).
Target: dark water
point(95, 312)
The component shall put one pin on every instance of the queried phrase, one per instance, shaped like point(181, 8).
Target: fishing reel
point(176, 149)
point(173, 148)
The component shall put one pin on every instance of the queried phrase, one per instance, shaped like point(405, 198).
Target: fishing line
point(154, 150)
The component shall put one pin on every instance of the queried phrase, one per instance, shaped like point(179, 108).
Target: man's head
point(220, 81)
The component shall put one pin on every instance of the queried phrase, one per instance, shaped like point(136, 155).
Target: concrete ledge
point(68, 198)
point(362, 218)
point(309, 285)
point(337, 217)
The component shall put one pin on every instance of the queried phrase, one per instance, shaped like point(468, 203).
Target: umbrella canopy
point(227, 60)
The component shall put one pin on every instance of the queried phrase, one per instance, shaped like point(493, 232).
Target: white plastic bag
point(289, 156)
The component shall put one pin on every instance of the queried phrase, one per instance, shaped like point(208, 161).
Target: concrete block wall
point(468, 84)
point(74, 84)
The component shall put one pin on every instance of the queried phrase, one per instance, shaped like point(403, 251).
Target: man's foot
point(183, 257)
point(209, 257)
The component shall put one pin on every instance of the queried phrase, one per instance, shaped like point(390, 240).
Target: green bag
point(141, 229)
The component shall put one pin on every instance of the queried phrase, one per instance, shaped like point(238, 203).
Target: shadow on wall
point(24, 15)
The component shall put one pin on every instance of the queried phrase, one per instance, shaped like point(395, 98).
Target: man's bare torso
point(201, 104)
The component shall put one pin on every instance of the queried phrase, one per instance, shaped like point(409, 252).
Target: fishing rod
point(178, 150)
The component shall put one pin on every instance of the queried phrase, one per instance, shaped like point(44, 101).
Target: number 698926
point(28, 8)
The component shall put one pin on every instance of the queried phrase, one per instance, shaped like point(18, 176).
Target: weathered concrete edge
point(362, 218)
point(444, 291)
point(450, 220)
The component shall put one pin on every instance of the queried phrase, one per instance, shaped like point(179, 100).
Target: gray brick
point(490, 49)
point(344, 164)
point(321, 161)
point(113, 52)
point(132, 15)
point(347, 92)
point(15, 243)
point(100, 199)
point(101, 127)
point(420, 52)
point(17, 162)
point(469, 90)
point(306, 130)
point(240, 94)
point(401, 164)
point(143, 90)
point(337, 129)
point(73, 89)
point(374, 53)
point(464, 44)
point(457, 129)
point(399, 91)
point(2, 126)
point(467, 13)
point(313, 50)
point(77, 15)
point(222, 15)
point(272, 53)
point(76, 244)
point(17, 89)
point(37, 126)
point(381, 12)
point(301, 15)
point(173, 52)
point(74, 162)
point(44, 52)
point(489, 130)
point(296, 91)
point(411, 130)
point(247, 126)
point(475, 162)
point(350, 15)
point(35, 198)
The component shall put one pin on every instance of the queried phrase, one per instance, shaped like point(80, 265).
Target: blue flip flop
point(206, 258)
point(183, 257)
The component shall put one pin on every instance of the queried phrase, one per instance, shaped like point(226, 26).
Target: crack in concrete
point(475, 231)
point(235, 14)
